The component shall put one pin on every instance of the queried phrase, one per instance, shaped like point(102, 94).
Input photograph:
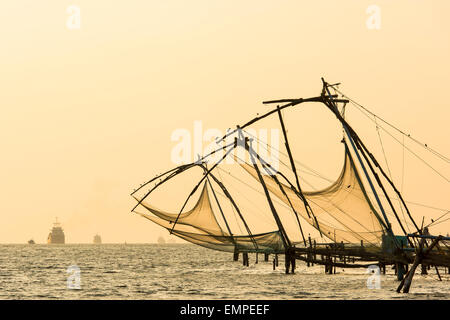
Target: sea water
point(184, 271)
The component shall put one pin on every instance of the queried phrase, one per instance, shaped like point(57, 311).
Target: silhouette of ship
point(97, 239)
point(161, 240)
point(31, 241)
point(56, 236)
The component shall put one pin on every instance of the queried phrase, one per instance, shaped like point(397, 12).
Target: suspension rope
point(424, 145)
point(319, 175)
point(389, 170)
point(412, 152)
point(434, 222)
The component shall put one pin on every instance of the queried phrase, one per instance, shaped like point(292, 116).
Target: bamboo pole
point(406, 283)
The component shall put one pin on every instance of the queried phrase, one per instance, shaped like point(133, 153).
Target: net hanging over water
point(200, 226)
point(343, 212)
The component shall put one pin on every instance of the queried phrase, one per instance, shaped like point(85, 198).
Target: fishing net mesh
point(200, 226)
point(342, 212)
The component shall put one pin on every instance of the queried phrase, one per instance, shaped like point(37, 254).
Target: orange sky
point(87, 114)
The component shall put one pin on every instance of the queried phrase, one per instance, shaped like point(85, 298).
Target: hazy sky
point(87, 114)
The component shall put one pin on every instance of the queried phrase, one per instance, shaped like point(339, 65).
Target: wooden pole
point(424, 269)
point(287, 261)
point(245, 259)
point(406, 283)
point(293, 263)
point(310, 250)
point(315, 245)
point(438, 274)
point(236, 255)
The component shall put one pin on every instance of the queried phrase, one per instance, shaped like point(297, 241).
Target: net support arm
point(228, 195)
point(199, 183)
point(284, 237)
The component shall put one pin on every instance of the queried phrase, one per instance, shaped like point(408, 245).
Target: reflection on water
point(182, 271)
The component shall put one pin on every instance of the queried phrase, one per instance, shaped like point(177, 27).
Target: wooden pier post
point(330, 268)
point(293, 263)
point(438, 274)
point(310, 255)
point(287, 261)
point(334, 269)
point(424, 269)
point(245, 260)
point(315, 245)
point(400, 271)
point(329, 261)
point(406, 283)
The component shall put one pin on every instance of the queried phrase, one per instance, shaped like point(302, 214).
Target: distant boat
point(56, 235)
point(97, 239)
point(161, 240)
point(31, 241)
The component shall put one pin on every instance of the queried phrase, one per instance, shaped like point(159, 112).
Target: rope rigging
point(389, 170)
point(321, 176)
point(405, 147)
point(424, 145)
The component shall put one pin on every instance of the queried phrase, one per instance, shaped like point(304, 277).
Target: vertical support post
point(284, 237)
point(245, 259)
point(424, 269)
point(310, 251)
point(235, 254)
point(400, 271)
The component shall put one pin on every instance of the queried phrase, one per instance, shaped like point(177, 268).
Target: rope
point(389, 170)
point(434, 222)
point(424, 145)
point(348, 229)
point(412, 152)
point(313, 172)
point(319, 175)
